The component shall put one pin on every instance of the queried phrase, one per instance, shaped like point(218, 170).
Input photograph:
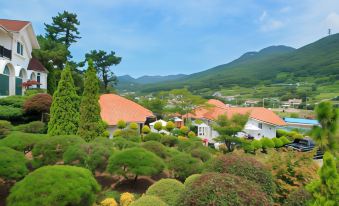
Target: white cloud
point(263, 16)
point(332, 21)
point(271, 25)
point(285, 9)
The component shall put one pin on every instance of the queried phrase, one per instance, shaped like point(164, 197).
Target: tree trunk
point(135, 179)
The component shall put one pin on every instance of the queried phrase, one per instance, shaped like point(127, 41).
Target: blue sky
point(160, 37)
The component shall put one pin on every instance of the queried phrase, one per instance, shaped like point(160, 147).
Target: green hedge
point(32, 127)
point(20, 141)
point(5, 128)
point(13, 164)
point(13, 101)
point(148, 200)
point(10, 113)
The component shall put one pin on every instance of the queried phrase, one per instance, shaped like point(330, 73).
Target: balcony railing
point(5, 52)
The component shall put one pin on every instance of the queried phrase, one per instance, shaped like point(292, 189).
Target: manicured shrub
point(256, 144)
point(51, 150)
point(153, 137)
point(281, 133)
point(126, 199)
point(121, 124)
point(10, 113)
point(5, 128)
point(184, 165)
point(191, 134)
point(201, 154)
point(158, 126)
point(23, 142)
point(188, 144)
point(148, 200)
point(298, 197)
point(266, 143)
point(244, 167)
point(145, 129)
point(277, 142)
point(170, 126)
point(155, 147)
point(135, 161)
point(168, 190)
point(223, 189)
point(93, 156)
point(109, 202)
point(13, 164)
point(133, 126)
point(183, 139)
point(13, 101)
point(55, 185)
point(184, 130)
point(189, 180)
point(284, 140)
point(117, 133)
point(169, 140)
point(32, 127)
point(121, 143)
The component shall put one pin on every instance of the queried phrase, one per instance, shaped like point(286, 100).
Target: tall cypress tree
point(90, 125)
point(64, 119)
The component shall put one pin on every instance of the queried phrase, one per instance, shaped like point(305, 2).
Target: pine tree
point(90, 125)
point(64, 114)
point(325, 191)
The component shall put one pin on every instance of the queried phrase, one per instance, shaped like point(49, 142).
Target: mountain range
point(271, 65)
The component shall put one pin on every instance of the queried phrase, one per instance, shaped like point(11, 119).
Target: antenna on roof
point(329, 32)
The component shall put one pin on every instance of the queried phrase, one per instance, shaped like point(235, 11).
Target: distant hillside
point(127, 82)
point(275, 64)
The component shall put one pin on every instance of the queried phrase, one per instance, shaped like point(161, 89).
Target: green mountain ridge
point(271, 65)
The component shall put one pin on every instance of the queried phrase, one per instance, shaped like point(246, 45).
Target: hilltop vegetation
point(316, 63)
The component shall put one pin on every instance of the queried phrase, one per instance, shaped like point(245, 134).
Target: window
point(21, 74)
point(6, 70)
point(19, 48)
point(260, 125)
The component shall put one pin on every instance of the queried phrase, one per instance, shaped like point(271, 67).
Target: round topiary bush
point(284, 140)
point(266, 143)
point(93, 156)
point(223, 189)
point(245, 167)
point(51, 150)
point(153, 137)
point(184, 165)
point(23, 142)
point(32, 127)
point(155, 147)
point(189, 180)
point(201, 153)
point(12, 164)
point(148, 200)
point(168, 190)
point(277, 142)
point(126, 199)
point(169, 140)
point(55, 185)
point(5, 128)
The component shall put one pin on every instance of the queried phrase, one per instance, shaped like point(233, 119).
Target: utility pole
point(329, 32)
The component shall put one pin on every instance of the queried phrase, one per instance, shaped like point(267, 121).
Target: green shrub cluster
point(13, 101)
point(168, 190)
point(183, 165)
point(10, 113)
point(189, 180)
point(169, 140)
point(32, 127)
point(23, 142)
point(153, 137)
point(148, 200)
point(13, 164)
point(55, 185)
point(155, 147)
point(5, 128)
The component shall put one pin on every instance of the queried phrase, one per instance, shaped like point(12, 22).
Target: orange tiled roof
point(13, 25)
point(115, 108)
point(258, 113)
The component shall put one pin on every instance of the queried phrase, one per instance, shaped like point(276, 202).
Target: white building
point(163, 123)
point(17, 40)
point(262, 122)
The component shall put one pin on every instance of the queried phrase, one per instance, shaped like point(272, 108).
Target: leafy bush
point(135, 161)
point(55, 185)
point(13, 101)
point(121, 124)
point(32, 127)
point(23, 142)
point(191, 134)
point(109, 202)
point(148, 200)
point(184, 165)
point(298, 197)
point(145, 129)
point(121, 143)
point(34, 91)
point(51, 150)
point(153, 137)
point(224, 189)
point(170, 126)
point(189, 180)
point(133, 126)
point(184, 130)
point(5, 128)
point(188, 145)
point(168, 190)
point(93, 156)
point(126, 199)
point(277, 142)
point(201, 153)
point(37, 104)
point(266, 143)
point(245, 167)
point(158, 126)
point(13, 164)
point(117, 133)
point(169, 140)
point(155, 147)
point(10, 113)
point(284, 140)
